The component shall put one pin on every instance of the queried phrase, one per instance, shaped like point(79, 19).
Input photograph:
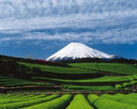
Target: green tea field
point(68, 101)
point(24, 74)
point(36, 84)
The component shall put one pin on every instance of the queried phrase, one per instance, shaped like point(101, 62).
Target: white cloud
point(108, 36)
point(111, 21)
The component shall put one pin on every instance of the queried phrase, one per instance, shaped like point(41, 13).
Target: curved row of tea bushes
point(121, 98)
point(22, 98)
point(110, 104)
point(9, 96)
point(118, 101)
point(55, 101)
point(79, 102)
point(22, 104)
point(59, 103)
point(92, 98)
point(125, 84)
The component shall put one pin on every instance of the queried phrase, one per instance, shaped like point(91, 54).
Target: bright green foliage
point(97, 88)
point(13, 97)
point(79, 102)
point(109, 104)
point(134, 95)
point(21, 104)
point(87, 68)
point(111, 67)
point(9, 96)
point(100, 79)
point(121, 98)
point(59, 103)
point(110, 97)
point(125, 84)
point(21, 98)
point(132, 82)
point(42, 101)
point(57, 69)
point(118, 86)
point(128, 100)
point(117, 101)
point(6, 81)
point(70, 83)
point(105, 75)
point(92, 98)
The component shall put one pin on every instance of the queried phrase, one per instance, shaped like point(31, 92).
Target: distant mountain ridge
point(78, 51)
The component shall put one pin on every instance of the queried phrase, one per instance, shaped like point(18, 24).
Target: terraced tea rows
point(79, 102)
point(6, 81)
point(87, 76)
point(41, 75)
point(97, 84)
point(110, 67)
point(68, 101)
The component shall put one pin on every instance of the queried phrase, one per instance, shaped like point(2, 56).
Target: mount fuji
point(78, 51)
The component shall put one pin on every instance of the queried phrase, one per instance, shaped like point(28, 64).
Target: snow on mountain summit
point(77, 51)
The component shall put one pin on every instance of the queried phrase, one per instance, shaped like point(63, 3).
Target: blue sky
point(41, 27)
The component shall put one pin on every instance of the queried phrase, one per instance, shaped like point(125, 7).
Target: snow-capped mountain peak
point(76, 50)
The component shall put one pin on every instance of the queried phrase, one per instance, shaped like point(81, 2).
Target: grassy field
point(79, 102)
point(88, 88)
point(67, 77)
point(99, 84)
point(99, 79)
point(87, 68)
point(110, 67)
point(6, 81)
point(44, 85)
point(76, 77)
point(57, 69)
point(68, 101)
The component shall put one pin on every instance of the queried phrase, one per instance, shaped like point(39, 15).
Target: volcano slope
point(18, 74)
